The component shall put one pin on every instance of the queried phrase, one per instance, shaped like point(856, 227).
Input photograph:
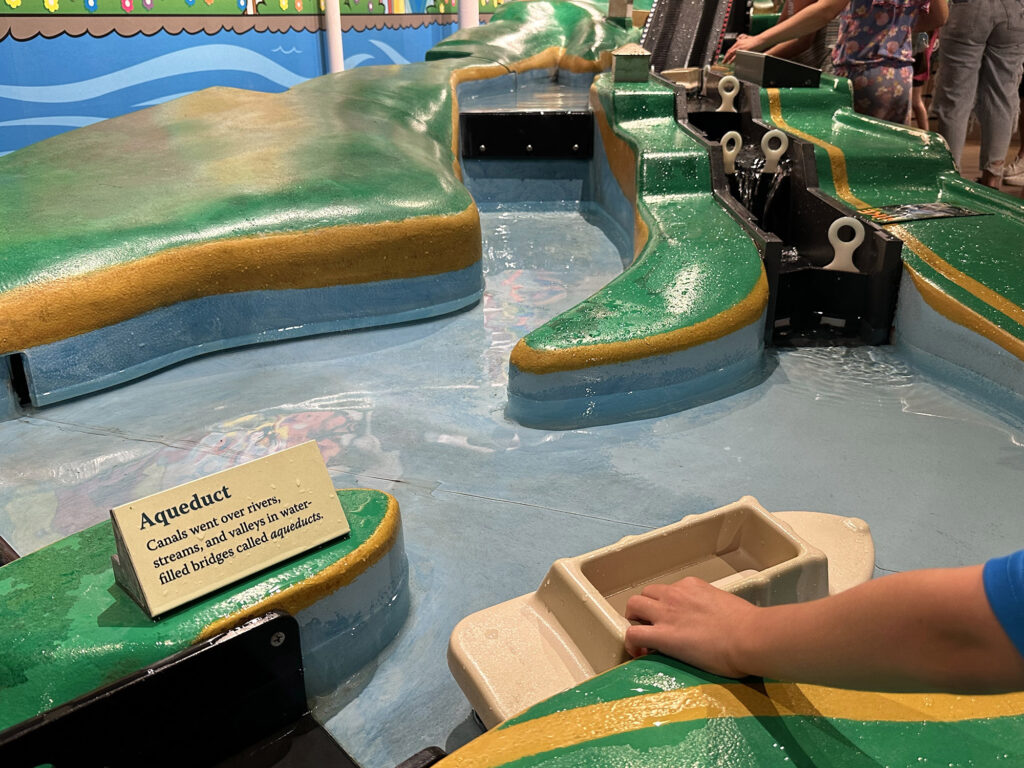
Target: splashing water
point(751, 180)
point(790, 256)
point(748, 174)
point(783, 171)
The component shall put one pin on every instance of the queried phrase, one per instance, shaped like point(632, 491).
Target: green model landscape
point(975, 261)
point(375, 147)
point(69, 628)
point(697, 266)
point(370, 145)
point(698, 276)
point(365, 147)
point(226, 190)
point(655, 711)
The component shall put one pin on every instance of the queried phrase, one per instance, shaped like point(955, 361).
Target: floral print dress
point(875, 51)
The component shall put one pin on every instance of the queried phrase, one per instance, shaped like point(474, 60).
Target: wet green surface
point(759, 22)
point(522, 29)
point(647, 674)
point(68, 628)
point(698, 262)
point(226, 163)
point(797, 741)
point(985, 249)
point(763, 740)
point(369, 145)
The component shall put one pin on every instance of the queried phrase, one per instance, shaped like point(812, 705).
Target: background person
point(874, 48)
point(813, 50)
point(980, 69)
point(924, 46)
point(1013, 173)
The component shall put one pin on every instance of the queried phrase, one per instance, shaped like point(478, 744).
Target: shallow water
point(487, 505)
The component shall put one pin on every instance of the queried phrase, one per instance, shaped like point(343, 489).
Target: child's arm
point(795, 47)
point(804, 22)
point(919, 630)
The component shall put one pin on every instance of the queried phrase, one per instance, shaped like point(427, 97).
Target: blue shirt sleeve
point(1004, 586)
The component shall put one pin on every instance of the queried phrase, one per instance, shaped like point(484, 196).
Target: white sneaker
point(1013, 173)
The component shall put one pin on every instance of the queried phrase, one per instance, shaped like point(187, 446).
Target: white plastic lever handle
point(843, 249)
point(732, 143)
point(728, 87)
point(772, 156)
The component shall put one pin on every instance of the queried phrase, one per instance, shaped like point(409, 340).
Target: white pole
point(332, 21)
point(469, 14)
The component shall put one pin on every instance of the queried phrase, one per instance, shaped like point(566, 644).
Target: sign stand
point(184, 543)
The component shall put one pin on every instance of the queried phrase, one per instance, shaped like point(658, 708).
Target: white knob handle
point(842, 261)
point(728, 87)
point(772, 156)
point(732, 143)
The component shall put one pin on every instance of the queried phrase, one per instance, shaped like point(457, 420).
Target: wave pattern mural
point(48, 86)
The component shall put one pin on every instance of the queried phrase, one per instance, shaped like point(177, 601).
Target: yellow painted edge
point(335, 576)
point(746, 311)
point(960, 314)
point(572, 727)
point(623, 163)
point(980, 291)
point(841, 704)
point(41, 313)
point(414, 247)
point(457, 77)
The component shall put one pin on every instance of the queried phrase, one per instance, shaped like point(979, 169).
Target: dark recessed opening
point(19, 379)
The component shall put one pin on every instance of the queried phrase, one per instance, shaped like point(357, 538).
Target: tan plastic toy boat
point(517, 653)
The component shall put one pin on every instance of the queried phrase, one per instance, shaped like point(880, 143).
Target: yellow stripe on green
point(569, 728)
point(992, 299)
point(954, 275)
point(835, 155)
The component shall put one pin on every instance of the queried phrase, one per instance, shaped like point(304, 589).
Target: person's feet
point(990, 179)
point(1013, 174)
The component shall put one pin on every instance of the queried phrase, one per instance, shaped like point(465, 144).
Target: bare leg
point(990, 179)
point(918, 107)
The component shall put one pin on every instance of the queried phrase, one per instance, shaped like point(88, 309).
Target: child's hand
point(744, 43)
point(690, 620)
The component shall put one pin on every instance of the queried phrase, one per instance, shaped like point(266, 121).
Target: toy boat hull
point(518, 653)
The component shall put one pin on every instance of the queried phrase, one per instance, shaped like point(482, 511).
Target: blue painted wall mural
point(52, 80)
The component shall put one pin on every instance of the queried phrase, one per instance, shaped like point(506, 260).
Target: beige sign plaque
point(184, 543)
